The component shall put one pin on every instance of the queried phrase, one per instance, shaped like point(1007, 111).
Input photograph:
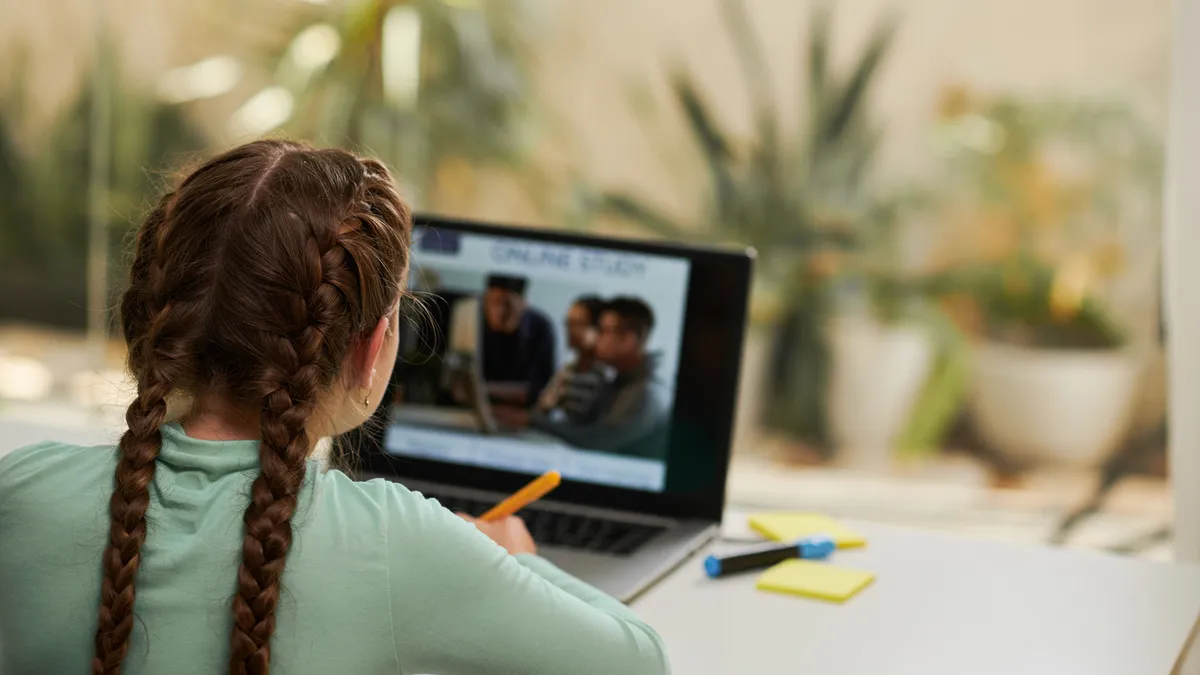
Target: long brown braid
point(252, 282)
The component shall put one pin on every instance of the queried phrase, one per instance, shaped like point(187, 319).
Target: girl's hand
point(509, 533)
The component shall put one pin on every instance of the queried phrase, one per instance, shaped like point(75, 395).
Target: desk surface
point(940, 604)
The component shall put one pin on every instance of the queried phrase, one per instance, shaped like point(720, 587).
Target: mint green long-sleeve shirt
point(379, 579)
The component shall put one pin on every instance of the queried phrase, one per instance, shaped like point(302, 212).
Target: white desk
point(940, 605)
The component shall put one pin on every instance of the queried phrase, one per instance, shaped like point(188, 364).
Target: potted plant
point(439, 90)
point(1058, 196)
point(800, 199)
point(887, 342)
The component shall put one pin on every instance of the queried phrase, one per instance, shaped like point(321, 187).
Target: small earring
point(367, 401)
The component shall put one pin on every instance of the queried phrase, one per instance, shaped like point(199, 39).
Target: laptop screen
point(525, 355)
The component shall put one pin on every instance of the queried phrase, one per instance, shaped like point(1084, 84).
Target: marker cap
point(816, 547)
point(712, 567)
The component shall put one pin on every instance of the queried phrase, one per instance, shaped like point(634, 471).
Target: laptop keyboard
point(567, 530)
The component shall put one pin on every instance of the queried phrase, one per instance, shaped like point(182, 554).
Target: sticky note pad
point(793, 526)
point(814, 580)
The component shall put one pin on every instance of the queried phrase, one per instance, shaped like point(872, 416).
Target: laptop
point(614, 362)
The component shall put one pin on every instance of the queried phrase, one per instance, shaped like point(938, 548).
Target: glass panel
point(955, 321)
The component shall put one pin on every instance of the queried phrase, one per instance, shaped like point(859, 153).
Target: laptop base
point(621, 576)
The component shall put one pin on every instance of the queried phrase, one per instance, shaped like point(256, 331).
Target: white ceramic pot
point(1064, 406)
point(878, 371)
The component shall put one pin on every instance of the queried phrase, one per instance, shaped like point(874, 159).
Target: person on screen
point(573, 392)
point(632, 411)
point(518, 346)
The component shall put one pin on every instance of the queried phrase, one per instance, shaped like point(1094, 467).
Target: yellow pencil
point(535, 490)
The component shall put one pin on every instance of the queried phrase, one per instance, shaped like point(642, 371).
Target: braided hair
point(251, 282)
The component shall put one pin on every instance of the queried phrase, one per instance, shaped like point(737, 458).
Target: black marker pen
point(765, 555)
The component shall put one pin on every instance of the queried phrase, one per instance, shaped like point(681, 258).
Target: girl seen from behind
point(262, 301)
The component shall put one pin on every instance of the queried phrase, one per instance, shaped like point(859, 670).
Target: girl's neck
point(214, 419)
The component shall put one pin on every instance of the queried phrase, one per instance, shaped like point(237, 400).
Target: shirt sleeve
point(461, 604)
point(644, 413)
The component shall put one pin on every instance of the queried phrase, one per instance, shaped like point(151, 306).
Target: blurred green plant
point(435, 88)
point(804, 200)
point(1026, 301)
point(44, 191)
point(1061, 190)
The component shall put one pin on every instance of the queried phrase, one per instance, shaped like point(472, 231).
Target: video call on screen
point(528, 356)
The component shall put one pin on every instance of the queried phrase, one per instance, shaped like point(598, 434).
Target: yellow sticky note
point(793, 526)
point(814, 580)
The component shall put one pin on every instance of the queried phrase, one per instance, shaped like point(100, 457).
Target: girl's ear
point(368, 353)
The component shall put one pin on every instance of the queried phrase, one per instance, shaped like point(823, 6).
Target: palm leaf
point(713, 144)
point(754, 68)
point(18, 239)
point(941, 397)
point(846, 105)
point(711, 140)
point(767, 207)
point(18, 235)
point(819, 28)
point(843, 173)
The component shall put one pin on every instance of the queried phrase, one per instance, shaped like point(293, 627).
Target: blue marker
point(765, 555)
